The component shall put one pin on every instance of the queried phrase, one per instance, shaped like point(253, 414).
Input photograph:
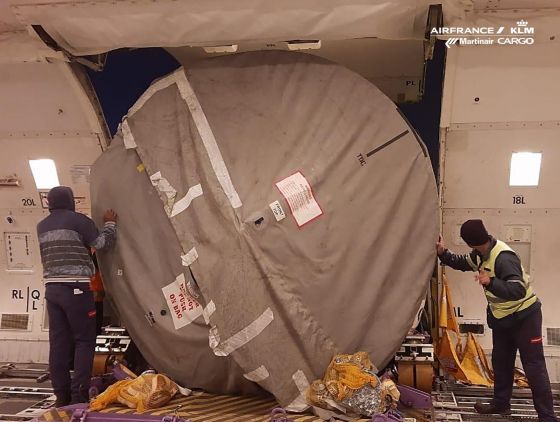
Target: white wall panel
point(477, 166)
point(44, 115)
point(39, 97)
point(512, 83)
point(518, 110)
point(23, 291)
point(28, 351)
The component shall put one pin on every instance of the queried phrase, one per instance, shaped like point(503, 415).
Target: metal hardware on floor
point(456, 403)
point(24, 403)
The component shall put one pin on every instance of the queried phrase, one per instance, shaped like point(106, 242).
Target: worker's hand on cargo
point(483, 278)
point(110, 215)
point(440, 246)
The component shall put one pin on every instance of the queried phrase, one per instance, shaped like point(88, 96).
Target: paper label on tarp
point(181, 283)
point(183, 307)
point(298, 194)
point(277, 210)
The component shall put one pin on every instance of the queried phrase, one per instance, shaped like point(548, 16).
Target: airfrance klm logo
point(521, 34)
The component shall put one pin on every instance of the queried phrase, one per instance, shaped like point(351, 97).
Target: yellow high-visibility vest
point(501, 308)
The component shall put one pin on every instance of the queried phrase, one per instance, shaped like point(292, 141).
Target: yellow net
point(467, 364)
point(148, 391)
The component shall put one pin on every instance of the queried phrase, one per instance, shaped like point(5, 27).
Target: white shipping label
point(277, 210)
point(183, 307)
point(80, 174)
point(181, 283)
point(299, 196)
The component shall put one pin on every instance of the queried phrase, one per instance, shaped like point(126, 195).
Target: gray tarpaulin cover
point(298, 198)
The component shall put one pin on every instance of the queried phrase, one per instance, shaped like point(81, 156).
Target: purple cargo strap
point(82, 415)
point(118, 373)
point(411, 397)
point(391, 415)
point(279, 415)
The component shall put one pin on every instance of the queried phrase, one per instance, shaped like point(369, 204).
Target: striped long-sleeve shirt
point(65, 239)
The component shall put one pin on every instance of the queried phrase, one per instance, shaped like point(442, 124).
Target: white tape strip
point(302, 383)
point(298, 405)
point(155, 87)
point(164, 187)
point(208, 138)
point(208, 311)
point(183, 203)
point(184, 391)
point(189, 257)
point(245, 335)
point(128, 139)
point(259, 374)
point(213, 337)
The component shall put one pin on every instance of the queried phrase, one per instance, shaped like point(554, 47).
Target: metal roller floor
point(23, 400)
point(457, 404)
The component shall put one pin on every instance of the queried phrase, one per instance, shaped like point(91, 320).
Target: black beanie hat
point(474, 233)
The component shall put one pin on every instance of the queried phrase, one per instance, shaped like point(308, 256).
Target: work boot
point(491, 409)
point(80, 396)
point(61, 401)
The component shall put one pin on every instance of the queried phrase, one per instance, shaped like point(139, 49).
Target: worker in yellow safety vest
point(513, 313)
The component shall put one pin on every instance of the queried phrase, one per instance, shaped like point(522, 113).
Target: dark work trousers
point(72, 339)
point(525, 336)
point(99, 317)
